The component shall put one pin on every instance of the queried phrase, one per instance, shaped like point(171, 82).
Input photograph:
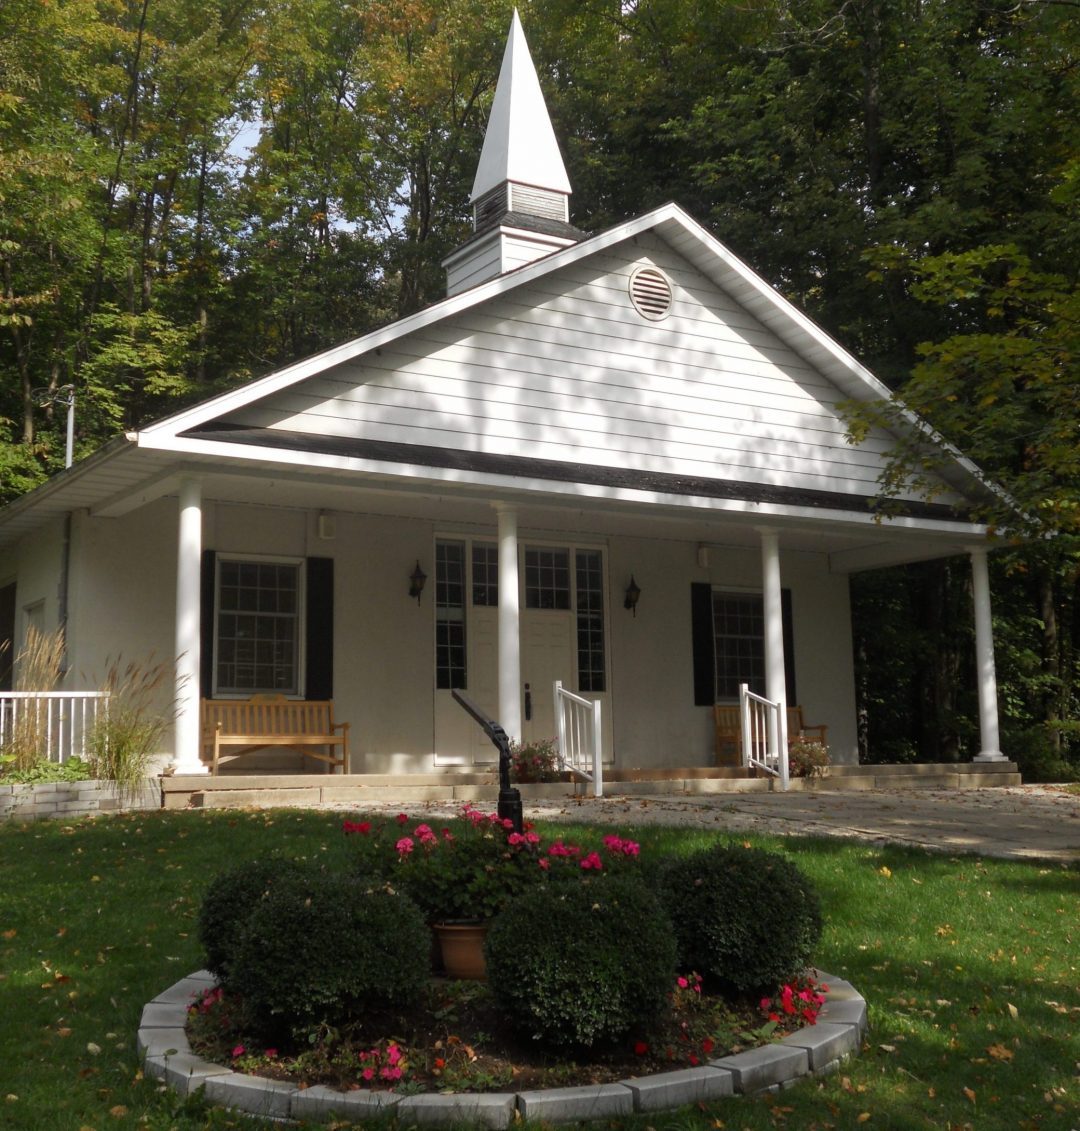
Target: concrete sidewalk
point(1016, 822)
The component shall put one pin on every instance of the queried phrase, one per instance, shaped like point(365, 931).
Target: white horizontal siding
point(566, 370)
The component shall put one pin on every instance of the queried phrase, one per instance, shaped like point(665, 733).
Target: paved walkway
point(1021, 822)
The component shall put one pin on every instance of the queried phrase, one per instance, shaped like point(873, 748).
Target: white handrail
point(580, 747)
point(56, 723)
point(764, 734)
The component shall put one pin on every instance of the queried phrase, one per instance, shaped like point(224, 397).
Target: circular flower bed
point(328, 978)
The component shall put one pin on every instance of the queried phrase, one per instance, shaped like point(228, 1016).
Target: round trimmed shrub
point(325, 948)
point(580, 964)
point(745, 919)
point(229, 900)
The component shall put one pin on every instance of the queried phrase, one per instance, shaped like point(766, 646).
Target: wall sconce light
point(633, 592)
point(416, 582)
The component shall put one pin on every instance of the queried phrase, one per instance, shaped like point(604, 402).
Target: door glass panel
point(590, 620)
point(485, 574)
point(547, 578)
point(450, 667)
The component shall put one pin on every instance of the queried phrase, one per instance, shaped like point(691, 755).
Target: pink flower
point(238, 1051)
point(592, 861)
point(515, 839)
point(271, 1053)
point(393, 1054)
point(532, 838)
point(765, 1003)
point(368, 1074)
point(544, 863)
point(682, 982)
point(404, 846)
point(560, 849)
point(447, 834)
point(401, 818)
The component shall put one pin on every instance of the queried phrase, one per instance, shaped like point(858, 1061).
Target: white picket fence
point(58, 723)
point(580, 746)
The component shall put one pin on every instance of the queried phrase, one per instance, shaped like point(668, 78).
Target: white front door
point(563, 636)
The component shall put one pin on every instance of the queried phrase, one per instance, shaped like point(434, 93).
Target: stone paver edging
point(816, 1049)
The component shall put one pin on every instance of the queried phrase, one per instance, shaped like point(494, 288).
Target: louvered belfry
point(521, 194)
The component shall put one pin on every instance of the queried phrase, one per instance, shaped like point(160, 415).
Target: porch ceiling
point(122, 477)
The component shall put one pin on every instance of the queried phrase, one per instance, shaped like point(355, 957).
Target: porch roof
point(260, 470)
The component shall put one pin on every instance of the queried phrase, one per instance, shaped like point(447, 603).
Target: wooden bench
point(729, 732)
point(246, 725)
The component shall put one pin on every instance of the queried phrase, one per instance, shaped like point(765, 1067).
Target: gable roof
point(144, 464)
point(686, 237)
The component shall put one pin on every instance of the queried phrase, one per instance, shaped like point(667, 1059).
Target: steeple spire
point(520, 144)
point(521, 193)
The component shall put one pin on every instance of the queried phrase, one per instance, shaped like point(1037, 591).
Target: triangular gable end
point(556, 362)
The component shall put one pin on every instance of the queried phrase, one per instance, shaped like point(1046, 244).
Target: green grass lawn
point(971, 969)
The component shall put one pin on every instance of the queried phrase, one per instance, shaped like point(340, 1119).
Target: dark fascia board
point(525, 467)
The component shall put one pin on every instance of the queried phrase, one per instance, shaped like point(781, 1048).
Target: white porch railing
point(580, 748)
point(56, 723)
point(764, 734)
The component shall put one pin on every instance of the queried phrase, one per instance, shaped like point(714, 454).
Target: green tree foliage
point(193, 193)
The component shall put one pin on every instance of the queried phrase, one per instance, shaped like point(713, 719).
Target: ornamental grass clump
point(321, 949)
point(581, 964)
point(746, 919)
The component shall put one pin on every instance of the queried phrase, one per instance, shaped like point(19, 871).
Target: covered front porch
point(656, 611)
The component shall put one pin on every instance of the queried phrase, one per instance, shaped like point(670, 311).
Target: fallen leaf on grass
point(118, 1112)
point(1014, 1013)
point(887, 1048)
point(1000, 1052)
point(863, 1117)
point(10, 934)
point(970, 1094)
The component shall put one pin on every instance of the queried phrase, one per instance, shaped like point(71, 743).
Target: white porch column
point(775, 677)
point(989, 737)
point(188, 562)
point(509, 624)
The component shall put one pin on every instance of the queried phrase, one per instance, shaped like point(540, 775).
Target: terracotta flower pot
point(462, 946)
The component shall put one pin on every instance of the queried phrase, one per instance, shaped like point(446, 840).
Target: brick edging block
point(814, 1049)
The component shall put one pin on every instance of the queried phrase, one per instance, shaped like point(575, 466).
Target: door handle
point(528, 703)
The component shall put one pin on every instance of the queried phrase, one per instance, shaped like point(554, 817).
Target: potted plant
point(462, 878)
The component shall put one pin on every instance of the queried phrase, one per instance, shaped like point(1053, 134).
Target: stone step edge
point(814, 1050)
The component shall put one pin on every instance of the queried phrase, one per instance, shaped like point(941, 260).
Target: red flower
point(693, 1059)
point(640, 1048)
point(439, 1063)
point(708, 1045)
point(401, 818)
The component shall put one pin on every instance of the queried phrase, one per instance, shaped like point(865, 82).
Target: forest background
point(193, 192)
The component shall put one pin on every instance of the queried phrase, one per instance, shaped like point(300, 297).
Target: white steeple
point(520, 143)
point(521, 193)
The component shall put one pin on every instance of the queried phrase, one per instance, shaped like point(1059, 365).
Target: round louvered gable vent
point(650, 292)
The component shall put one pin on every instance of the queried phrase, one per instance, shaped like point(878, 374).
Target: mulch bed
point(456, 1040)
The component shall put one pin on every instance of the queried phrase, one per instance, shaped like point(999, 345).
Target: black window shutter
point(704, 646)
point(319, 632)
point(206, 624)
point(789, 647)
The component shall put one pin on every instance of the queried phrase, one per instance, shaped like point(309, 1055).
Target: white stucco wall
point(35, 565)
point(122, 601)
point(653, 713)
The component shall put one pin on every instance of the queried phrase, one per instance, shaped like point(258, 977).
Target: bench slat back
point(268, 714)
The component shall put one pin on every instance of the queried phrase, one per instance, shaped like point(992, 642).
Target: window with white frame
point(258, 626)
